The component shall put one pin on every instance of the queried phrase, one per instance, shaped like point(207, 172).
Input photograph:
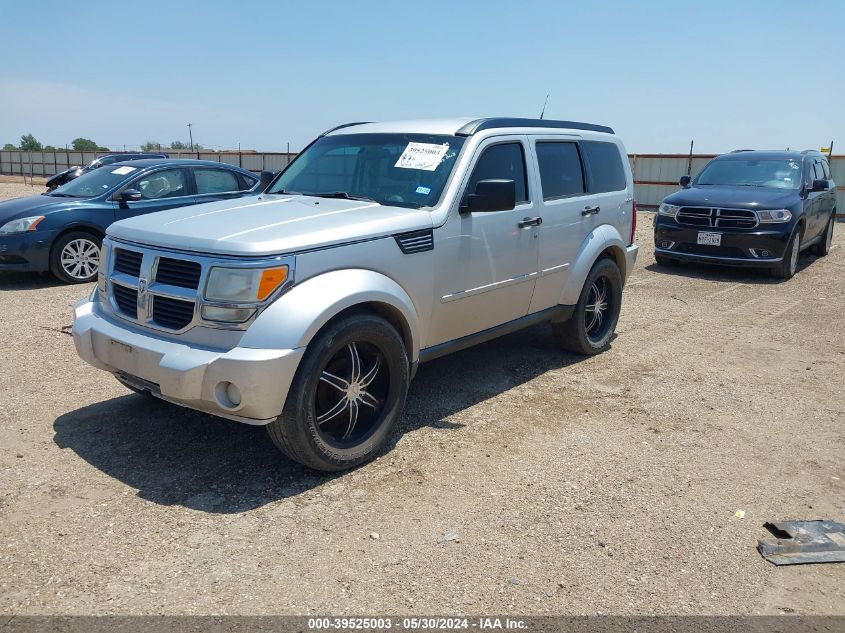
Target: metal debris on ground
point(797, 542)
point(448, 535)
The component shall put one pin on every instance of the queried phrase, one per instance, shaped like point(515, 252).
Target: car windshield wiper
point(284, 192)
point(61, 195)
point(342, 195)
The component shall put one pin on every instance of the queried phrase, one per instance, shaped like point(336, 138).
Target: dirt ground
point(574, 486)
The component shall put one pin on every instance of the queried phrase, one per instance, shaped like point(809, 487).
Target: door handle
point(589, 210)
point(524, 222)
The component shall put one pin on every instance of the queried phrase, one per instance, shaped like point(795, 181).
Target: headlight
point(774, 215)
point(669, 210)
point(21, 225)
point(243, 285)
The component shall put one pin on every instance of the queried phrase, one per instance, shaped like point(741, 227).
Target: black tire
point(789, 264)
point(668, 262)
point(580, 333)
point(823, 248)
point(339, 442)
point(88, 262)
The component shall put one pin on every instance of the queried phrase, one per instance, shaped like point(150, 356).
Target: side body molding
point(601, 238)
point(295, 317)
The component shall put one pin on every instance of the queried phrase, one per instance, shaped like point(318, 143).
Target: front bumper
point(754, 248)
point(26, 252)
point(187, 375)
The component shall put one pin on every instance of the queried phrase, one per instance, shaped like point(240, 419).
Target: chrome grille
point(128, 262)
point(126, 300)
point(174, 314)
point(178, 272)
point(717, 218)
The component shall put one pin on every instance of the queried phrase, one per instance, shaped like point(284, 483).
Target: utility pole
point(191, 137)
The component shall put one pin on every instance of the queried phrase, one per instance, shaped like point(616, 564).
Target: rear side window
point(604, 166)
point(560, 169)
point(215, 181)
point(505, 161)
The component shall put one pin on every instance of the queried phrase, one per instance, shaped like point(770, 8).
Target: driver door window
point(168, 183)
point(505, 161)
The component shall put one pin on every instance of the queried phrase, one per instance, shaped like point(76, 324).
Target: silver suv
point(383, 245)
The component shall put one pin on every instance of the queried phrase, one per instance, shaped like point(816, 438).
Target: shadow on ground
point(175, 456)
point(27, 281)
point(730, 274)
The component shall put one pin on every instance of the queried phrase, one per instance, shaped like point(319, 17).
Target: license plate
point(710, 239)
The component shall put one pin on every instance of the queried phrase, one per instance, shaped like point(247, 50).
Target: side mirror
point(130, 195)
point(819, 185)
point(491, 195)
point(266, 178)
point(684, 181)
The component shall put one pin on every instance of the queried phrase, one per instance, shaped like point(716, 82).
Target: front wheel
point(823, 248)
point(589, 330)
point(787, 267)
point(347, 393)
point(75, 257)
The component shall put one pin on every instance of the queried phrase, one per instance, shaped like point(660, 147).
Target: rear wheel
point(823, 248)
point(591, 326)
point(75, 257)
point(347, 393)
point(789, 264)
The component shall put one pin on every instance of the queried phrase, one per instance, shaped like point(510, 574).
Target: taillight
point(633, 222)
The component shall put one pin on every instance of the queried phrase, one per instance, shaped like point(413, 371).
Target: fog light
point(227, 315)
point(227, 394)
point(666, 244)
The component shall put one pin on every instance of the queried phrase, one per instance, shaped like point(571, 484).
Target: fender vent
point(416, 242)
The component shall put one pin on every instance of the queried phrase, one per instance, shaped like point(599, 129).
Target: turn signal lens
point(271, 279)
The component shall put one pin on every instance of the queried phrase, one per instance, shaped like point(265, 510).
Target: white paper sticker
point(122, 171)
point(424, 190)
point(425, 156)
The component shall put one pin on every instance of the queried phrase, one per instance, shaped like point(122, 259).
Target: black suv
point(749, 208)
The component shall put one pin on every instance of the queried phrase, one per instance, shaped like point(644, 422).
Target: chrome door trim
point(463, 294)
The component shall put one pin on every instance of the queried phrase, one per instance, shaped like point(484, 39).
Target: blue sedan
point(61, 231)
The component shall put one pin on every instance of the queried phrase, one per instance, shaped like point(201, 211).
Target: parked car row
point(307, 304)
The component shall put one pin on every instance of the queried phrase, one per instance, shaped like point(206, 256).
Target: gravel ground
point(574, 486)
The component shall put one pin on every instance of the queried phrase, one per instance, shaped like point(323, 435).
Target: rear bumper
point(630, 259)
point(28, 251)
point(187, 375)
point(756, 248)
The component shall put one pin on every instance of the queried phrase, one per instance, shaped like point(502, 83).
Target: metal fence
point(655, 175)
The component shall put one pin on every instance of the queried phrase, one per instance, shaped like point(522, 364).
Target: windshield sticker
point(122, 171)
point(424, 190)
point(425, 156)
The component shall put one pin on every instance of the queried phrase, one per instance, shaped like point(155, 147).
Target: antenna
point(543, 111)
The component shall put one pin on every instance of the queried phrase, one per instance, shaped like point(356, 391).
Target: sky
point(738, 74)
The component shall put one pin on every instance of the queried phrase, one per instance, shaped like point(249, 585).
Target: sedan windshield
point(406, 170)
point(94, 183)
point(779, 173)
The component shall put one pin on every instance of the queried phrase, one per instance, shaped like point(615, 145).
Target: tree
point(49, 148)
point(150, 146)
point(178, 145)
point(30, 143)
point(9, 146)
point(85, 145)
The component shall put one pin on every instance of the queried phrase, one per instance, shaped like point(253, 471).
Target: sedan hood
point(30, 205)
point(268, 225)
point(734, 197)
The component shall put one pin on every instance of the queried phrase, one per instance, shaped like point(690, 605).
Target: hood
point(734, 197)
point(268, 225)
point(30, 205)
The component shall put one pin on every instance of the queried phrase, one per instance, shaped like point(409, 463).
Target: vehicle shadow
point(27, 281)
point(176, 456)
point(729, 274)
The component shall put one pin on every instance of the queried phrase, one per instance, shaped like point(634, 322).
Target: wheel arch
point(603, 242)
point(294, 319)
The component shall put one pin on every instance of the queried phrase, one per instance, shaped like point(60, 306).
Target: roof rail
point(343, 125)
point(488, 124)
point(734, 151)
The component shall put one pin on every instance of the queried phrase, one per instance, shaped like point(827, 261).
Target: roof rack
point(734, 151)
point(343, 125)
point(487, 124)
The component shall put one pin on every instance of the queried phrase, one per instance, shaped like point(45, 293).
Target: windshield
point(782, 173)
point(407, 170)
point(94, 183)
